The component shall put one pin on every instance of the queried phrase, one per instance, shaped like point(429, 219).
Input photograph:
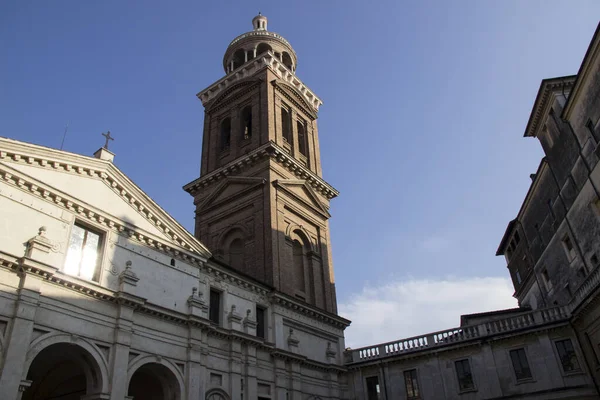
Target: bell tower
point(262, 206)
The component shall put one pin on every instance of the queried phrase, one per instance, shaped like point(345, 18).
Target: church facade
point(103, 295)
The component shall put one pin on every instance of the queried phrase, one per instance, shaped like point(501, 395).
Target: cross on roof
point(108, 137)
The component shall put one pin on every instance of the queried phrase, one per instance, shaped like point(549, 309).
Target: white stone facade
point(146, 310)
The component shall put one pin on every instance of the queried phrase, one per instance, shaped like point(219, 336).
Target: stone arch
point(297, 232)
point(167, 373)
point(86, 354)
point(286, 59)
point(263, 48)
point(239, 58)
point(217, 394)
point(232, 243)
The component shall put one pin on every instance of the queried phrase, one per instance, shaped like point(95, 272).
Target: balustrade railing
point(457, 335)
point(488, 328)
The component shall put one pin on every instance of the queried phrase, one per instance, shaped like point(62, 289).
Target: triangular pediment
point(97, 186)
point(301, 191)
point(236, 90)
point(229, 189)
point(296, 97)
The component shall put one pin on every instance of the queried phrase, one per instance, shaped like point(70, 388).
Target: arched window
point(249, 55)
point(246, 122)
point(239, 58)
point(236, 253)
point(286, 59)
point(225, 133)
point(263, 48)
point(302, 139)
point(298, 254)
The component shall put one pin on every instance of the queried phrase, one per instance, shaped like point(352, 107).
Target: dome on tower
point(259, 40)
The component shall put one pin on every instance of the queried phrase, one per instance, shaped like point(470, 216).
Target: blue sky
point(425, 104)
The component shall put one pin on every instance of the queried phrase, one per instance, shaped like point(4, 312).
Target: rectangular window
point(286, 124)
point(214, 311)
point(302, 139)
point(546, 280)
point(590, 125)
point(519, 280)
point(568, 244)
point(520, 364)
point(463, 373)
point(260, 322)
point(412, 385)
point(83, 255)
point(567, 356)
point(373, 389)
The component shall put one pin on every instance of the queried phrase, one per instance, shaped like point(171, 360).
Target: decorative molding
point(56, 160)
point(228, 96)
point(292, 95)
point(271, 150)
point(319, 315)
point(266, 60)
point(542, 103)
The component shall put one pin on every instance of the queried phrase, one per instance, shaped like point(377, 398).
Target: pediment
point(229, 189)
point(96, 186)
point(301, 191)
point(296, 97)
point(234, 91)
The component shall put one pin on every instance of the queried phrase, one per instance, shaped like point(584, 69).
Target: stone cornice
point(310, 311)
point(584, 72)
point(291, 94)
point(12, 151)
point(53, 276)
point(272, 150)
point(312, 364)
point(266, 60)
point(543, 102)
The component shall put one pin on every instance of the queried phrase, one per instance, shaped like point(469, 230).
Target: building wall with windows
point(549, 348)
point(104, 295)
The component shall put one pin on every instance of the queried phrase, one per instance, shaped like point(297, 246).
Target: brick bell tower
point(262, 205)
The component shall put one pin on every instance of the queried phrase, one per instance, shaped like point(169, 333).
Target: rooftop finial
point(259, 23)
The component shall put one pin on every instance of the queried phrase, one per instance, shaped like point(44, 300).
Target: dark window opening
point(590, 126)
point(517, 238)
point(568, 243)
point(463, 373)
point(246, 123)
point(298, 253)
point(520, 364)
point(373, 389)
point(286, 124)
point(412, 385)
point(214, 311)
point(172, 262)
point(546, 279)
point(260, 323)
point(567, 356)
point(302, 145)
point(225, 134)
point(236, 253)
